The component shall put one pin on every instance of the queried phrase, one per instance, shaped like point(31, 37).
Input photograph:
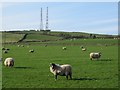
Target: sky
point(91, 17)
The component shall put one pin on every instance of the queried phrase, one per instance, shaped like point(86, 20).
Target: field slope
point(31, 70)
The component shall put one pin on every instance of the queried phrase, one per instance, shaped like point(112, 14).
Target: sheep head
point(52, 65)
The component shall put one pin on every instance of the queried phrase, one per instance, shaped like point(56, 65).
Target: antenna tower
point(47, 19)
point(41, 21)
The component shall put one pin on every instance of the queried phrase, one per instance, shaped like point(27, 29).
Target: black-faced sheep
point(62, 70)
point(95, 55)
point(9, 62)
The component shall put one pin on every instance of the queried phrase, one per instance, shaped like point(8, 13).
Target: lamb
point(95, 55)
point(9, 62)
point(62, 70)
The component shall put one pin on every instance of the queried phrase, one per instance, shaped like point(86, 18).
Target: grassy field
point(11, 37)
point(31, 70)
point(40, 37)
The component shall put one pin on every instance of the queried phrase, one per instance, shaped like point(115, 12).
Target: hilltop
point(47, 35)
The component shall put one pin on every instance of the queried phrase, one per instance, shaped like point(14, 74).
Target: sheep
point(9, 62)
point(95, 55)
point(83, 49)
point(64, 48)
point(31, 51)
point(62, 70)
point(18, 45)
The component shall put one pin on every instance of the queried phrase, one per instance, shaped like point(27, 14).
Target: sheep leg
point(67, 77)
point(56, 77)
point(70, 76)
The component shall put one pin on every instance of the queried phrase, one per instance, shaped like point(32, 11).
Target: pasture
point(11, 37)
point(31, 70)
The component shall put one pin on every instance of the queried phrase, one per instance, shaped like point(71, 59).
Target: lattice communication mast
point(46, 20)
point(41, 21)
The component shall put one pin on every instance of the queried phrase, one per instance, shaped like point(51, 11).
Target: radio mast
point(46, 20)
point(41, 21)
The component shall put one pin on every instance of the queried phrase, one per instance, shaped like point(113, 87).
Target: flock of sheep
point(66, 69)
point(56, 69)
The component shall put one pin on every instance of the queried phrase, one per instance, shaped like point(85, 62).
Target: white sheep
point(9, 62)
point(96, 55)
point(18, 45)
point(64, 48)
point(31, 51)
point(84, 49)
point(62, 70)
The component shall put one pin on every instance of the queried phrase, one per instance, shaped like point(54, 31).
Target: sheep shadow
point(104, 60)
point(84, 78)
point(23, 67)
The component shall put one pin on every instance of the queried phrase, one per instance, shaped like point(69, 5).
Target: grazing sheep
point(64, 48)
point(83, 49)
point(95, 55)
point(18, 45)
point(31, 51)
point(9, 62)
point(62, 70)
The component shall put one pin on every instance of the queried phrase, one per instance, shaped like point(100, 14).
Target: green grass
point(80, 42)
point(11, 37)
point(31, 70)
point(40, 37)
